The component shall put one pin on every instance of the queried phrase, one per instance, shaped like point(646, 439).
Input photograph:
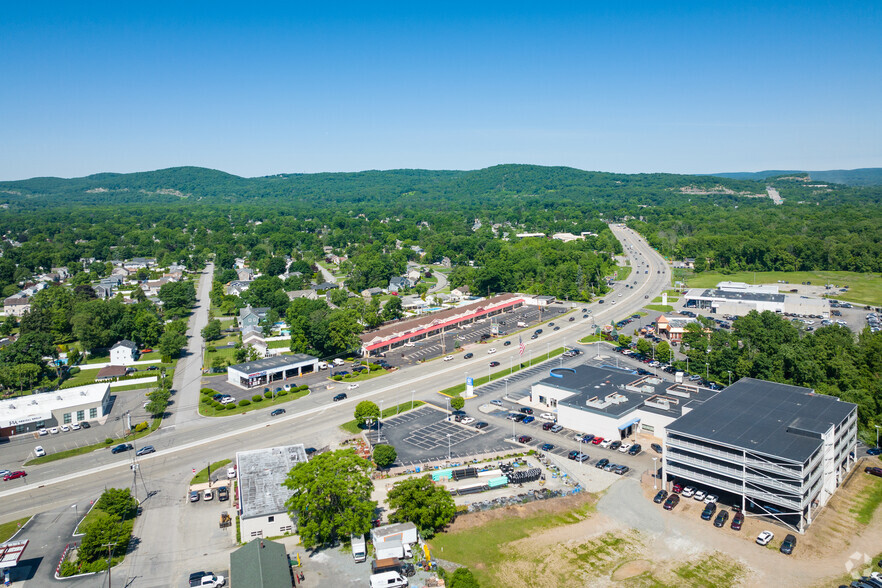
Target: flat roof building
point(26, 414)
point(271, 369)
point(739, 299)
point(776, 450)
point(262, 496)
point(614, 403)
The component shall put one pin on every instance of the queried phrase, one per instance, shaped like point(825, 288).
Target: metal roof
point(261, 473)
point(774, 419)
point(276, 361)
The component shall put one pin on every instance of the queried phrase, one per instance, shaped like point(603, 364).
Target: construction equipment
point(225, 520)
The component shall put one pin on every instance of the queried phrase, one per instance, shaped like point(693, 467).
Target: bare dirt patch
point(630, 569)
point(554, 506)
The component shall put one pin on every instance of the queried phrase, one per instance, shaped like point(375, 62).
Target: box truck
point(406, 533)
point(359, 548)
point(389, 549)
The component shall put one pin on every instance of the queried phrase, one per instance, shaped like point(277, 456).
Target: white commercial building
point(612, 403)
point(26, 414)
point(738, 298)
point(272, 369)
point(262, 497)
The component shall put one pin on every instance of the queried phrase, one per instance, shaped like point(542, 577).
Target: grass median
point(201, 476)
point(460, 388)
point(352, 426)
point(206, 409)
point(7, 530)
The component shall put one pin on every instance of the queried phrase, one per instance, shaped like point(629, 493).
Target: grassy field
point(9, 529)
point(201, 476)
point(352, 426)
point(94, 447)
point(869, 502)
point(460, 388)
point(864, 288)
point(659, 307)
point(622, 272)
point(206, 410)
point(590, 339)
point(226, 354)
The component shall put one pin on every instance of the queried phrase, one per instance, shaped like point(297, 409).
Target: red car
point(678, 487)
point(14, 475)
point(597, 441)
point(148, 350)
point(524, 439)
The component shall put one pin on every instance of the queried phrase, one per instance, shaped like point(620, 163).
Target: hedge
point(269, 394)
point(140, 427)
point(244, 402)
point(231, 406)
point(256, 398)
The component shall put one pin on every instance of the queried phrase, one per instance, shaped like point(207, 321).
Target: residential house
point(414, 276)
point(255, 339)
point(399, 283)
point(325, 286)
point(103, 291)
point(111, 371)
point(445, 261)
point(459, 293)
point(309, 294)
point(249, 318)
point(261, 564)
point(236, 287)
point(17, 304)
point(245, 274)
point(152, 287)
point(371, 292)
point(123, 353)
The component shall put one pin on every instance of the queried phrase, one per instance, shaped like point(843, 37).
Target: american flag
point(521, 346)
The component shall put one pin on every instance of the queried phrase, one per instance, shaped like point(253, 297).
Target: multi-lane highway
point(188, 441)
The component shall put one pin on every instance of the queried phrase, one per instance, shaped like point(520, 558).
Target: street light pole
point(448, 447)
point(654, 474)
point(730, 376)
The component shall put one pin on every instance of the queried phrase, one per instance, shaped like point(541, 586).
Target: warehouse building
point(272, 369)
point(773, 450)
point(612, 403)
point(27, 414)
point(737, 298)
point(262, 497)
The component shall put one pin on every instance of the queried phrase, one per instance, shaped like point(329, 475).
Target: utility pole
point(109, 547)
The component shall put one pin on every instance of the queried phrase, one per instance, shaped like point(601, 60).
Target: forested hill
point(868, 176)
point(386, 187)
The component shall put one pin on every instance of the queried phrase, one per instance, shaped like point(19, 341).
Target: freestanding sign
point(470, 386)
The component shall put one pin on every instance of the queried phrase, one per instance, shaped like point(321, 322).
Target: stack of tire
point(522, 477)
point(465, 474)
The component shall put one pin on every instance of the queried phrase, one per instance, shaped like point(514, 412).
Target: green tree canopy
point(384, 455)
point(366, 412)
point(420, 502)
point(331, 497)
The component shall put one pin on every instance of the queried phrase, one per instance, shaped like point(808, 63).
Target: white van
point(522, 324)
point(231, 472)
point(388, 580)
point(322, 365)
point(338, 362)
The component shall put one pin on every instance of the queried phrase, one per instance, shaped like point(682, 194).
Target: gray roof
point(126, 343)
point(766, 417)
point(738, 296)
point(277, 361)
point(261, 473)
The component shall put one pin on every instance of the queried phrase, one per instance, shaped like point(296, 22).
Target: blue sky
point(259, 88)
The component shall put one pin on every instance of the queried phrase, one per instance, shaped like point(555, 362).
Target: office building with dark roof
point(771, 449)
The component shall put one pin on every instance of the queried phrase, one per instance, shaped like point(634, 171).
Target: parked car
point(874, 451)
point(14, 475)
point(622, 470)
point(557, 428)
point(610, 467)
point(208, 494)
point(547, 446)
point(572, 454)
point(601, 463)
point(874, 471)
point(635, 449)
point(788, 544)
point(547, 426)
point(528, 419)
point(708, 512)
point(615, 445)
point(721, 519)
point(677, 487)
point(656, 447)
point(481, 425)
point(467, 420)
point(524, 439)
point(764, 538)
point(340, 396)
point(223, 493)
point(547, 416)
point(526, 410)
point(496, 402)
point(624, 447)
point(711, 498)
point(660, 496)
point(699, 495)
point(597, 441)
point(75, 427)
point(737, 521)
point(145, 450)
point(84, 424)
point(39, 451)
point(688, 491)
point(672, 501)
point(194, 496)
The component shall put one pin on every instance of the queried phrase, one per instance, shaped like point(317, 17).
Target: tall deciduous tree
point(419, 501)
point(331, 497)
point(366, 412)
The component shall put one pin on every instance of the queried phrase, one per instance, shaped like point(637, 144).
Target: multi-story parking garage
point(774, 450)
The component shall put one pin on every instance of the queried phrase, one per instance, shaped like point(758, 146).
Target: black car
point(660, 496)
point(538, 331)
point(721, 519)
point(481, 425)
point(572, 318)
point(601, 463)
point(310, 451)
point(672, 501)
point(223, 493)
point(708, 512)
point(340, 396)
point(614, 446)
point(518, 417)
point(196, 577)
point(85, 425)
point(572, 454)
point(524, 439)
point(494, 363)
point(656, 447)
point(546, 426)
point(277, 412)
point(526, 410)
point(788, 544)
point(468, 356)
point(635, 449)
point(122, 447)
point(547, 447)
point(507, 343)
